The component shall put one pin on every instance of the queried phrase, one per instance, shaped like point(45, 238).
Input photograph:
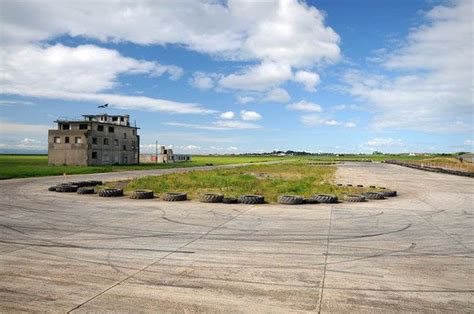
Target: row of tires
point(431, 169)
point(219, 198)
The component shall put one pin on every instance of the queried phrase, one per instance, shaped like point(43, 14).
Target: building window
point(57, 140)
point(66, 139)
point(124, 135)
point(100, 128)
point(134, 132)
point(116, 142)
point(124, 147)
point(82, 126)
point(111, 129)
point(114, 119)
point(77, 140)
point(133, 144)
point(66, 126)
point(106, 141)
point(122, 119)
point(94, 140)
point(94, 155)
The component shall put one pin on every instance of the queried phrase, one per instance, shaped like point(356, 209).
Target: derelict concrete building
point(96, 140)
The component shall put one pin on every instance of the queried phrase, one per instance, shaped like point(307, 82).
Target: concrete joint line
point(325, 262)
point(159, 260)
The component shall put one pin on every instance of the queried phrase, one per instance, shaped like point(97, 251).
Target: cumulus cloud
point(250, 115)
point(245, 99)
point(22, 129)
point(227, 115)
point(202, 80)
point(278, 95)
point(431, 86)
point(305, 106)
point(308, 79)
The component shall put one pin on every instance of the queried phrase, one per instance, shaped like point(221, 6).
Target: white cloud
point(278, 95)
point(10, 102)
point(317, 120)
point(245, 99)
point(431, 89)
point(218, 125)
point(308, 79)
point(347, 107)
point(227, 115)
point(83, 73)
point(258, 78)
point(305, 106)
point(469, 142)
point(250, 115)
point(383, 142)
point(202, 80)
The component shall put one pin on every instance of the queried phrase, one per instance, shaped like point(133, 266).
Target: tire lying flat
point(174, 197)
point(290, 199)
point(388, 193)
point(66, 188)
point(251, 199)
point(85, 190)
point(230, 200)
point(141, 194)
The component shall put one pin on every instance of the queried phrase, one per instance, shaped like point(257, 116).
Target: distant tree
point(377, 153)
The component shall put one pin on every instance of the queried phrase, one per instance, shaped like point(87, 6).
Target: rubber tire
point(52, 188)
point(230, 200)
point(251, 199)
point(111, 192)
point(340, 184)
point(310, 201)
point(360, 186)
point(66, 188)
point(389, 193)
point(355, 198)
point(290, 199)
point(174, 197)
point(372, 186)
point(94, 182)
point(348, 184)
point(326, 198)
point(141, 194)
point(85, 190)
point(211, 198)
point(374, 196)
point(81, 183)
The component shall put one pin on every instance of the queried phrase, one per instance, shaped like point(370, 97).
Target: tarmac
point(63, 252)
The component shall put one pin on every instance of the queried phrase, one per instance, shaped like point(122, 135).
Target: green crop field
point(22, 166)
point(270, 180)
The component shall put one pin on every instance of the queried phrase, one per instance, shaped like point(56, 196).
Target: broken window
point(100, 128)
point(106, 141)
point(94, 140)
point(94, 155)
point(66, 139)
point(82, 126)
point(66, 126)
point(124, 147)
point(57, 140)
point(116, 142)
point(78, 140)
point(111, 129)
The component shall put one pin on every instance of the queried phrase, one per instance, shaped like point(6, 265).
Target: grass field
point(446, 163)
point(22, 166)
point(271, 180)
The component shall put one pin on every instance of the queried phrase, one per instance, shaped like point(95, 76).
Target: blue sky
point(238, 76)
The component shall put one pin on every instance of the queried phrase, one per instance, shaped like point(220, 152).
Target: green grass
point(271, 180)
point(22, 166)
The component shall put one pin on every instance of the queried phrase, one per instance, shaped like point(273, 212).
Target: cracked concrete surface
point(81, 253)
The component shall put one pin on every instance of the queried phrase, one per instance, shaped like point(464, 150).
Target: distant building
point(95, 140)
point(165, 155)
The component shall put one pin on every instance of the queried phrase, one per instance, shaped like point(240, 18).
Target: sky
point(237, 76)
